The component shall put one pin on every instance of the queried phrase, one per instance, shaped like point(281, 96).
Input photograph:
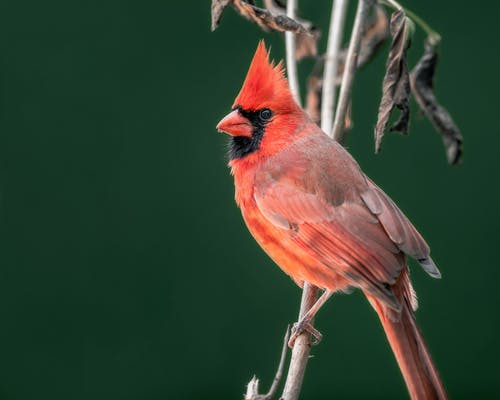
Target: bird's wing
point(398, 227)
point(334, 213)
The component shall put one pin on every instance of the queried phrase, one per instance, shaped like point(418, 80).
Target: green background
point(126, 271)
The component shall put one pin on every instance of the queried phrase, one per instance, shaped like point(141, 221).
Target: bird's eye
point(265, 114)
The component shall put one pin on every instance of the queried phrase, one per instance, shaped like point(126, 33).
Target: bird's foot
point(304, 325)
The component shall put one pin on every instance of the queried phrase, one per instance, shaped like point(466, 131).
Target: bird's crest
point(265, 85)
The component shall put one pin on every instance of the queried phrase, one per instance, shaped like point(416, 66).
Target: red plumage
point(311, 208)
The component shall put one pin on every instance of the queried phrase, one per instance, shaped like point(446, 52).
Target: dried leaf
point(274, 18)
point(218, 7)
point(348, 118)
point(396, 83)
point(422, 82)
point(374, 35)
point(314, 91)
point(306, 43)
point(266, 20)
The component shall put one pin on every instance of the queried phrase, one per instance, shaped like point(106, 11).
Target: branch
point(291, 65)
point(301, 348)
point(337, 19)
point(350, 69)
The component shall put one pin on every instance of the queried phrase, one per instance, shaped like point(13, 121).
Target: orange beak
point(235, 124)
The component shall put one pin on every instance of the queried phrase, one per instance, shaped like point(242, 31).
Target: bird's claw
point(304, 325)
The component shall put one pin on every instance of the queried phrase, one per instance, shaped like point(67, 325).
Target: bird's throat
point(241, 146)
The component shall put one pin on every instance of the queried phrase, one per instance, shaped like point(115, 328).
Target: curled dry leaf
point(422, 82)
point(314, 90)
point(264, 18)
point(313, 98)
point(272, 18)
point(348, 118)
point(396, 83)
point(374, 35)
point(306, 43)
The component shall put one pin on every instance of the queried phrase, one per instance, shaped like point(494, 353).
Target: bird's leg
point(304, 325)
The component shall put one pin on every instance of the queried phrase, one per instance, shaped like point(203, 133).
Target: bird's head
point(264, 113)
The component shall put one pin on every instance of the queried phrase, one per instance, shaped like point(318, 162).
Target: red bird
point(321, 219)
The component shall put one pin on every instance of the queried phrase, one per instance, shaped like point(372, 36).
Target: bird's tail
point(415, 362)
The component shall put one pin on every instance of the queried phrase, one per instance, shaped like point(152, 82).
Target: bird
point(311, 208)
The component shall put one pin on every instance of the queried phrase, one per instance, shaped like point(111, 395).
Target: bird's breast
point(279, 244)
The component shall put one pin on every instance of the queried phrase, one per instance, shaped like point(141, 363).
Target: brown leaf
point(274, 18)
point(396, 83)
point(374, 35)
point(307, 43)
point(218, 7)
point(422, 83)
point(348, 118)
point(314, 91)
point(266, 20)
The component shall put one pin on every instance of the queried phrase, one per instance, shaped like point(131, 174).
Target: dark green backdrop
point(125, 269)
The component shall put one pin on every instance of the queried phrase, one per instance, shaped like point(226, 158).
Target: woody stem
point(301, 348)
point(337, 19)
point(338, 130)
point(291, 63)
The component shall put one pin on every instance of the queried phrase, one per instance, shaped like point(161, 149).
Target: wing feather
point(399, 228)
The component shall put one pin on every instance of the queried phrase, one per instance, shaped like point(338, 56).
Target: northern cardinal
point(307, 203)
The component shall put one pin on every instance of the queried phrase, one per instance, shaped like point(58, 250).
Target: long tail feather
point(415, 362)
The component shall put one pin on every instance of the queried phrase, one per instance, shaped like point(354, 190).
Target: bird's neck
point(244, 170)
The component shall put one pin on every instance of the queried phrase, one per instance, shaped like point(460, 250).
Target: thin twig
point(434, 37)
point(350, 69)
point(301, 348)
point(279, 373)
point(291, 64)
point(253, 386)
point(337, 19)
